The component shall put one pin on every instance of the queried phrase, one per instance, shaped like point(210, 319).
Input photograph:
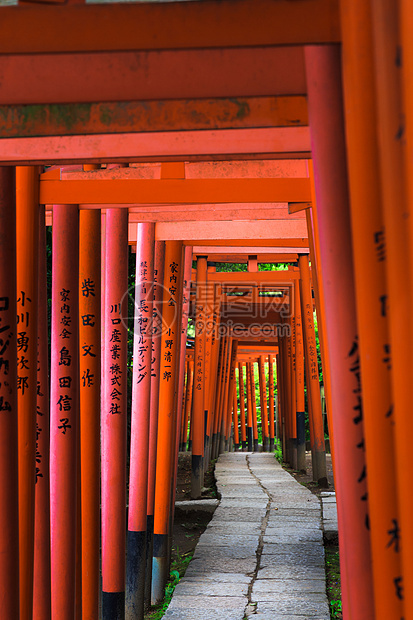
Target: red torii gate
point(41, 49)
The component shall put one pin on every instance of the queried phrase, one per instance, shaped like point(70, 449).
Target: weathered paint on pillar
point(153, 423)
point(64, 409)
point(140, 419)
point(27, 242)
point(9, 516)
point(198, 404)
point(313, 384)
point(114, 416)
point(41, 583)
point(242, 405)
point(330, 174)
point(167, 414)
point(89, 388)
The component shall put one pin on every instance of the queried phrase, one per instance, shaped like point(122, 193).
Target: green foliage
point(332, 562)
point(278, 453)
point(178, 568)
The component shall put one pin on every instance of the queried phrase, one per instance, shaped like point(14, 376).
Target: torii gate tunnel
point(161, 140)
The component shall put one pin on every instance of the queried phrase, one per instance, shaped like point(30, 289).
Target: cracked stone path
point(262, 554)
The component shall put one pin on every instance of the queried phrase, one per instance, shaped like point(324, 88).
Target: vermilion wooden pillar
point(183, 362)
point(182, 442)
point(292, 392)
point(330, 173)
point(250, 433)
point(208, 366)
point(387, 38)
point(271, 402)
point(242, 405)
point(285, 397)
point(188, 401)
point(41, 583)
point(279, 432)
point(64, 409)
point(27, 243)
point(263, 403)
point(89, 369)
point(198, 405)
point(318, 286)
point(299, 379)
point(219, 388)
point(254, 406)
point(214, 365)
point(235, 417)
point(369, 249)
point(140, 421)
point(9, 513)
point(114, 416)
point(167, 414)
point(313, 385)
point(184, 294)
point(158, 280)
point(224, 397)
point(231, 389)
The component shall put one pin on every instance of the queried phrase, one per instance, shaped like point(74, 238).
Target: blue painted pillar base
point(160, 567)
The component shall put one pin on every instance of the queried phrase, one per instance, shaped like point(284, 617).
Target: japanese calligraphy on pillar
point(167, 353)
point(6, 334)
point(394, 535)
point(312, 350)
point(88, 325)
point(23, 342)
point(40, 416)
point(143, 326)
point(358, 420)
point(65, 376)
point(115, 370)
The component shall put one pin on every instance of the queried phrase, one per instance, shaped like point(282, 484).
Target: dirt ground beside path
point(307, 478)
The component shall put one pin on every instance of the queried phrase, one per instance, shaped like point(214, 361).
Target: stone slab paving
point(328, 500)
point(262, 554)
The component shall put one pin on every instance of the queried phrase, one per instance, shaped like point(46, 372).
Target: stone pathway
point(262, 554)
